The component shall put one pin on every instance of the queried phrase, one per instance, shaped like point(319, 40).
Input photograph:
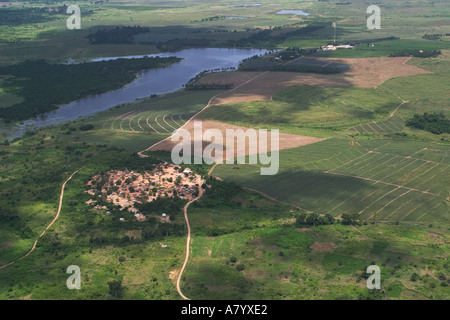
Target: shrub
point(240, 267)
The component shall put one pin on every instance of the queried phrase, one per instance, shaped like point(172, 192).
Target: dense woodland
point(219, 195)
point(417, 53)
point(435, 122)
point(44, 86)
point(117, 35)
point(257, 63)
point(269, 38)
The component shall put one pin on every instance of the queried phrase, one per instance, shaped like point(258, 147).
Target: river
point(156, 81)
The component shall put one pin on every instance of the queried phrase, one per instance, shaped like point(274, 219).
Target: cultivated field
point(382, 180)
point(286, 141)
point(365, 73)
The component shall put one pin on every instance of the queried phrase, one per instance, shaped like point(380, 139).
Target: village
point(331, 47)
point(127, 188)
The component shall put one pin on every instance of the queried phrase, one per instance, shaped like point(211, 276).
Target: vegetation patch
point(436, 123)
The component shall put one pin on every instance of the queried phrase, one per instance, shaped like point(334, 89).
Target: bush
point(86, 127)
point(115, 288)
point(417, 53)
point(240, 267)
point(414, 277)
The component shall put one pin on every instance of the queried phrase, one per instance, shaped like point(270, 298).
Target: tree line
point(257, 63)
point(117, 36)
point(417, 53)
point(269, 38)
point(314, 219)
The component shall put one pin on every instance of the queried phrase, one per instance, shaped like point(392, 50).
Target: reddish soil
point(287, 141)
point(323, 247)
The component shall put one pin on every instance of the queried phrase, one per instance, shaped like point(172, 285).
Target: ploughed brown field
point(287, 141)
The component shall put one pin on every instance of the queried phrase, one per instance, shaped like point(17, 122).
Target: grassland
point(327, 262)
point(81, 235)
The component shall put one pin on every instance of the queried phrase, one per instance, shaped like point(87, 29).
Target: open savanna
point(33, 171)
point(282, 261)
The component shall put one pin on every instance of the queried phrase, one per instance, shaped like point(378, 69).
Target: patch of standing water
point(294, 12)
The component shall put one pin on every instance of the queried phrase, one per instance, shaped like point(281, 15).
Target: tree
point(301, 220)
point(116, 289)
point(313, 219)
point(350, 219)
point(329, 219)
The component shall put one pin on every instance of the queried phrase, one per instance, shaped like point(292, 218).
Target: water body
point(156, 81)
point(294, 12)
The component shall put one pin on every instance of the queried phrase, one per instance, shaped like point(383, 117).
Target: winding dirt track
point(188, 243)
point(48, 227)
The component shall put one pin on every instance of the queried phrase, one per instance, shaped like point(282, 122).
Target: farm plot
point(146, 121)
point(312, 110)
point(365, 73)
point(391, 125)
point(158, 115)
point(379, 179)
point(321, 63)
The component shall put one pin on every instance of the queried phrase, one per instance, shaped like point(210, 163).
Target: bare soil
point(323, 247)
point(287, 141)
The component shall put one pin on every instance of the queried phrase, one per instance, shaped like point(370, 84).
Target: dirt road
point(48, 227)
point(188, 243)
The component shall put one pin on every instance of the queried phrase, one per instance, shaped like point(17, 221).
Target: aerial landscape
point(224, 150)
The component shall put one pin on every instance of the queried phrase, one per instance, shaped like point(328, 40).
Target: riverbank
point(148, 83)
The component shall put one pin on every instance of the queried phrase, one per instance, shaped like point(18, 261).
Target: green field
point(309, 110)
point(382, 180)
point(281, 264)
